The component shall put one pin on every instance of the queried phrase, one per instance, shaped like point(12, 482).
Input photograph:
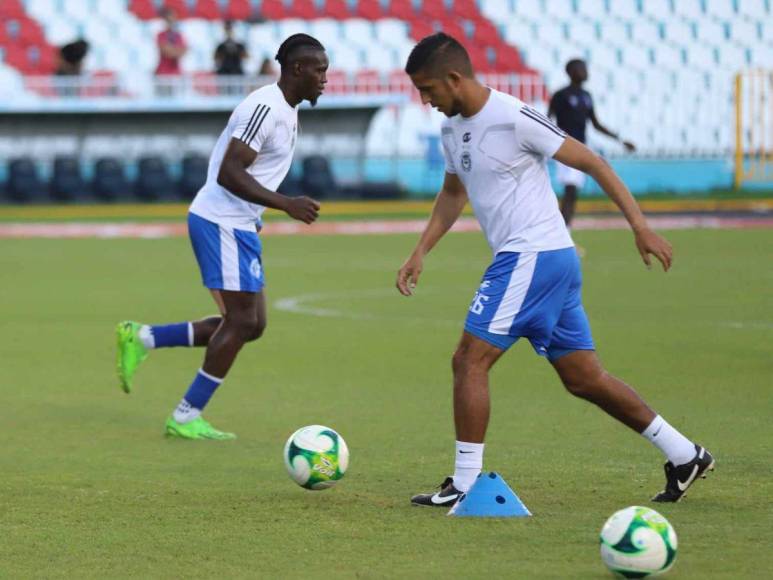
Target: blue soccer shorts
point(229, 259)
point(535, 295)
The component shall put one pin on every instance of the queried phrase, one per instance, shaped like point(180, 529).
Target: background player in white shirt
point(250, 160)
point(496, 150)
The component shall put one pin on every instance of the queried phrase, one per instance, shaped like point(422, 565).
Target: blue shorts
point(535, 295)
point(229, 259)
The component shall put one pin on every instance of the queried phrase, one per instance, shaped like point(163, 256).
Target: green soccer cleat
point(196, 429)
point(131, 352)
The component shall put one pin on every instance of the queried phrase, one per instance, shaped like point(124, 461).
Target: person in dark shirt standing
point(229, 54)
point(572, 107)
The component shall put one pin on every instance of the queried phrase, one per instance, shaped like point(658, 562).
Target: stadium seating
point(110, 183)
point(193, 175)
point(24, 182)
point(67, 182)
point(154, 181)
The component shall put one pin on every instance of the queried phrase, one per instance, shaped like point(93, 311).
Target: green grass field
point(90, 487)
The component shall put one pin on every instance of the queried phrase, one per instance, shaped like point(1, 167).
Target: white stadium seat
point(327, 31)
point(659, 9)
point(647, 31)
point(625, 9)
point(582, 31)
point(691, 9)
point(711, 31)
point(361, 31)
point(392, 32)
point(722, 9)
point(755, 9)
point(594, 9)
point(744, 31)
point(615, 32)
point(678, 31)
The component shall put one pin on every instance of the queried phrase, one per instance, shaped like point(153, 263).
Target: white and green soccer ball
point(637, 542)
point(316, 457)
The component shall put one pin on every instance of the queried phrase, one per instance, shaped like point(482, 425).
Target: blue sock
point(201, 390)
point(180, 334)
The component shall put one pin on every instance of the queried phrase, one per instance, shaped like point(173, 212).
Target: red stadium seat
point(205, 83)
point(338, 9)
point(399, 82)
point(273, 10)
point(420, 29)
point(453, 28)
point(436, 10)
point(24, 31)
point(180, 7)
point(336, 82)
point(368, 81)
point(143, 9)
point(238, 10)
point(486, 32)
point(207, 9)
point(403, 9)
point(370, 10)
point(12, 9)
point(467, 9)
point(303, 9)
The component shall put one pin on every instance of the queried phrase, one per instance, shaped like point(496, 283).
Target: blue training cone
point(491, 497)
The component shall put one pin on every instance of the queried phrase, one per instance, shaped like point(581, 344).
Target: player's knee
point(583, 383)
point(257, 330)
point(465, 361)
point(247, 328)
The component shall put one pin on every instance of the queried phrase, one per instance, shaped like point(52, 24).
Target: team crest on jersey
point(255, 268)
point(466, 137)
point(466, 161)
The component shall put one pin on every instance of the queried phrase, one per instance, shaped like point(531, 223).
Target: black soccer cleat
point(446, 497)
point(680, 477)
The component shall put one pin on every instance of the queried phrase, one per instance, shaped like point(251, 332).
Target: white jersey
point(268, 124)
point(500, 154)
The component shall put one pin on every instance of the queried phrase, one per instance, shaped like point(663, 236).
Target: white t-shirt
point(500, 154)
point(266, 122)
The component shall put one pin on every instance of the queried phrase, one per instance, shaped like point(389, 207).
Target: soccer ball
point(637, 542)
point(316, 457)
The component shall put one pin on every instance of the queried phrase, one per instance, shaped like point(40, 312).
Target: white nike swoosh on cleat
point(438, 500)
point(686, 484)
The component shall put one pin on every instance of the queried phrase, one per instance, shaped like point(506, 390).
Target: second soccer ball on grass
point(316, 457)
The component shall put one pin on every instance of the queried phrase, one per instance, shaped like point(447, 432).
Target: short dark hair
point(437, 53)
point(573, 63)
point(294, 43)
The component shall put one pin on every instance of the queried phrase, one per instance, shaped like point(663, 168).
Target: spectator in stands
point(71, 58)
point(572, 107)
point(267, 68)
point(229, 54)
point(171, 45)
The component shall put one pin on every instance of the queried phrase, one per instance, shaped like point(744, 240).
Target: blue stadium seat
point(24, 183)
point(153, 180)
point(67, 183)
point(110, 181)
point(193, 176)
point(318, 180)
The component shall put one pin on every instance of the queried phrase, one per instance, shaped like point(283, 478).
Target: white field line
point(176, 229)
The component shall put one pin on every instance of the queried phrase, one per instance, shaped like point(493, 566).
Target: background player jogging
point(572, 107)
point(249, 161)
point(496, 149)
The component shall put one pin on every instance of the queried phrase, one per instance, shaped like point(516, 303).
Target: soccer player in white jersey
point(496, 149)
point(249, 161)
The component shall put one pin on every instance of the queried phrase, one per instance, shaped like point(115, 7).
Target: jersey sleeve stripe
point(253, 119)
point(549, 125)
point(536, 113)
point(261, 118)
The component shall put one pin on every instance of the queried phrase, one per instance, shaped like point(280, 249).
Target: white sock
point(146, 336)
point(469, 462)
point(184, 413)
point(675, 446)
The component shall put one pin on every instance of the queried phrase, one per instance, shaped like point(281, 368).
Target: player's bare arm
point(575, 154)
point(448, 207)
point(602, 129)
point(235, 178)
